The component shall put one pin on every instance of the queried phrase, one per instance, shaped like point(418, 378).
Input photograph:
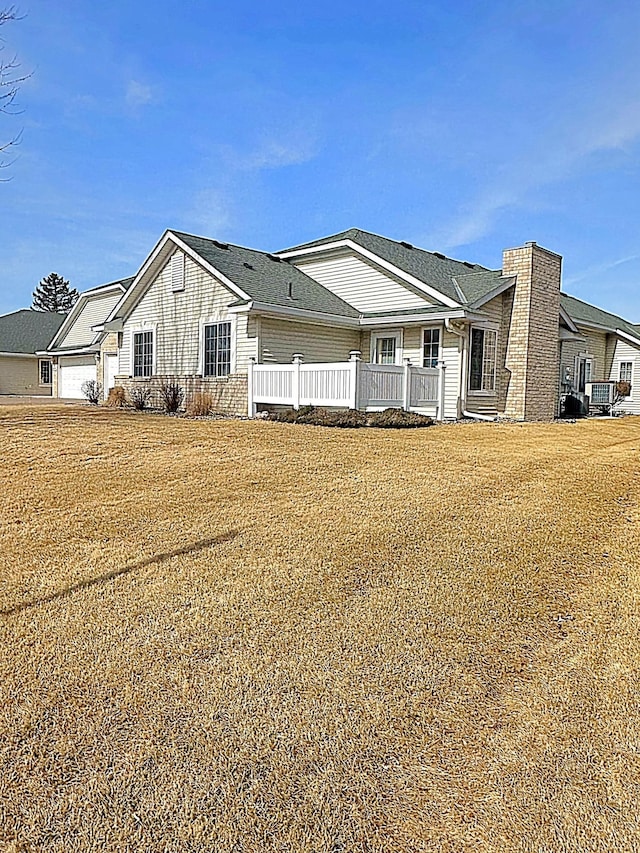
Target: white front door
point(110, 373)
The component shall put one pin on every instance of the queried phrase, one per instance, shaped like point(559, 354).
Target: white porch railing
point(352, 384)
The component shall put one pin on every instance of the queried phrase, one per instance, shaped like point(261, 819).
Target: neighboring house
point(608, 350)
point(81, 351)
point(352, 319)
point(22, 335)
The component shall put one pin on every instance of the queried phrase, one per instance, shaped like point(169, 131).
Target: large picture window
point(482, 374)
point(430, 347)
point(217, 349)
point(142, 354)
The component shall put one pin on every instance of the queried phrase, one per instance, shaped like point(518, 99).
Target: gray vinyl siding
point(94, 311)
point(177, 320)
point(21, 376)
point(280, 339)
point(361, 285)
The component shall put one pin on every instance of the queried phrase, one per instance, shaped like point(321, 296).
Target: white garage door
point(72, 372)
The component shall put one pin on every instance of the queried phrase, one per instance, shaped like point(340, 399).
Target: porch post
point(406, 385)
point(440, 410)
point(354, 378)
point(251, 409)
point(295, 379)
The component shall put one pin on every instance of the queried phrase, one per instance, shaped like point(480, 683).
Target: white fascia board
point(505, 284)
point(567, 319)
point(114, 285)
point(266, 309)
point(79, 351)
point(20, 354)
point(409, 319)
point(130, 296)
point(628, 337)
point(376, 259)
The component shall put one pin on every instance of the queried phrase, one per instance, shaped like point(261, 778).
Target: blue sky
point(463, 127)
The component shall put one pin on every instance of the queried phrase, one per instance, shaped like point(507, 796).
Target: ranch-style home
point(354, 319)
point(22, 335)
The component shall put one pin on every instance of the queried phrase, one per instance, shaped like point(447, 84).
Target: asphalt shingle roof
point(267, 278)
point(579, 310)
point(28, 331)
point(432, 268)
point(476, 285)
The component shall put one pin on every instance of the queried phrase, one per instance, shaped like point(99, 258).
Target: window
point(45, 373)
point(482, 375)
point(430, 347)
point(177, 272)
point(386, 351)
point(143, 354)
point(626, 371)
point(217, 349)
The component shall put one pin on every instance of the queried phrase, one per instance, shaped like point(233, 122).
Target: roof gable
point(583, 312)
point(266, 278)
point(91, 309)
point(28, 331)
point(431, 268)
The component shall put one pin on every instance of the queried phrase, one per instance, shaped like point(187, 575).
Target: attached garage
point(72, 372)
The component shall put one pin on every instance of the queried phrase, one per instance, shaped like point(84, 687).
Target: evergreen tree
point(54, 294)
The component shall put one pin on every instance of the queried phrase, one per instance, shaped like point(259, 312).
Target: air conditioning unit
point(601, 394)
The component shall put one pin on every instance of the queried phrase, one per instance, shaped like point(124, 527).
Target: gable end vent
point(176, 271)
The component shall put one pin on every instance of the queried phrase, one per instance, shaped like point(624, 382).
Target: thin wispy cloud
point(599, 269)
point(138, 94)
point(554, 156)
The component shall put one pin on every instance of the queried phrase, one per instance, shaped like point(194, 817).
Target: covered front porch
point(353, 384)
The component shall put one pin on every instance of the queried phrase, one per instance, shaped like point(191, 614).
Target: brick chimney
point(532, 354)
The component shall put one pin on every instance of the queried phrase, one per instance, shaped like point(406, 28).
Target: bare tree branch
point(10, 80)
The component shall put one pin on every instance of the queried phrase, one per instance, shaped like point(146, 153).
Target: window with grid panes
point(482, 373)
point(217, 349)
point(430, 347)
point(626, 371)
point(143, 354)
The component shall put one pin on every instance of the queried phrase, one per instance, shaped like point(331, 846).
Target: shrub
point(92, 390)
point(321, 417)
point(117, 398)
point(200, 405)
point(171, 395)
point(140, 397)
point(398, 419)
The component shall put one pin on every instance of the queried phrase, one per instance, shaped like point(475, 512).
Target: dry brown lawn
point(235, 636)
